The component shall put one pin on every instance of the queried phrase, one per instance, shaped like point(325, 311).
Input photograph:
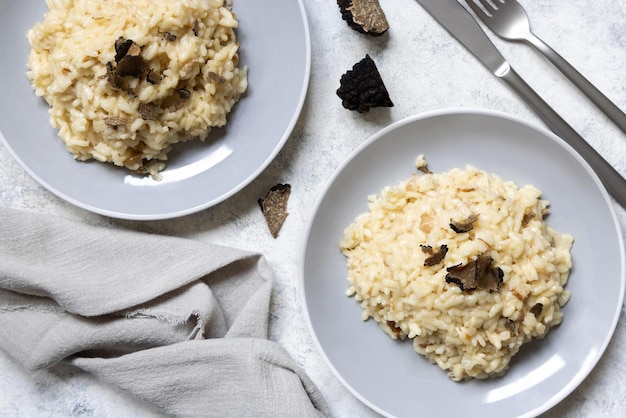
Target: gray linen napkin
point(179, 324)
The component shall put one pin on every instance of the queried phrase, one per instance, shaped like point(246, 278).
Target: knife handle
point(611, 178)
point(600, 100)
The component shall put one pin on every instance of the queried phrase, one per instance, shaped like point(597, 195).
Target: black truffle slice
point(122, 45)
point(183, 93)
point(153, 77)
point(129, 63)
point(131, 66)
point(477, 274)
point(274, 207)
point(436, 256)
point(362, 87)
point(112, 77)
point(465, 225)
point(365, 16)
point(536, 309)
point(463, 276)
point(149, 111)
point(489, 278)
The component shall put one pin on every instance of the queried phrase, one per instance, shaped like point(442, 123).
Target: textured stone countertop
point(424, 70)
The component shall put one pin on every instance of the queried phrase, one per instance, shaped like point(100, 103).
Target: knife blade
point(461, 25)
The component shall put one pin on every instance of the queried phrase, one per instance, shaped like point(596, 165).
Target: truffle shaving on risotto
point(126, 79)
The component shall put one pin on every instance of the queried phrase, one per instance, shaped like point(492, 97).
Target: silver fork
point(508, 19)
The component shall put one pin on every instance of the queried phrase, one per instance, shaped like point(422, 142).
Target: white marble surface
point(424, 69)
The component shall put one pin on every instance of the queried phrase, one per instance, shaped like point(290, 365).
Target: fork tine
point(490, 5)
point(483, 12)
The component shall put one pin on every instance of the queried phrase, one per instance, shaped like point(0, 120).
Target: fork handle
point(596, 96)
point(611, 178)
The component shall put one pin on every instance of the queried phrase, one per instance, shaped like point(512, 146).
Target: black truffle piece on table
point(363, 88)
point(274, 207)
point(365, 16)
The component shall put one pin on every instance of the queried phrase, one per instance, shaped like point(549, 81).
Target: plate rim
point(245, 181)
point(578, 378)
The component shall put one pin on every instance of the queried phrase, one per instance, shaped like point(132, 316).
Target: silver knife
point(460, 23)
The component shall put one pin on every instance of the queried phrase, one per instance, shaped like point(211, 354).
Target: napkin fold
point(179, 324)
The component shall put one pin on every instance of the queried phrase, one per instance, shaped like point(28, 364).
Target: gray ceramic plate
point(387, 375)
point(275, 45)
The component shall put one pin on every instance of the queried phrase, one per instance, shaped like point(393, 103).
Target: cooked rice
point(469, 334)
point(191, 44)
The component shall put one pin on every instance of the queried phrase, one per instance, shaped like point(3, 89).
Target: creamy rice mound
point(181, 79)
point(470, 333)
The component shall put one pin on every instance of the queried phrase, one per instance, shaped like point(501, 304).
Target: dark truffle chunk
point(436, 256)
point(131, 66)
point(122, 46)
point(129, 63)
point(476, 275)
point(463, 276)
point(153, 77)
point(465, 225)
point(537, 309)
point(365, 16)
point(362, 87)
point(274, 207)
point(149, 111)
point(112, 76)
point(184, 94)
point(489, 278)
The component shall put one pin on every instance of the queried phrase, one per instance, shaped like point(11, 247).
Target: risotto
point(463, 264)
point(126, 79)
